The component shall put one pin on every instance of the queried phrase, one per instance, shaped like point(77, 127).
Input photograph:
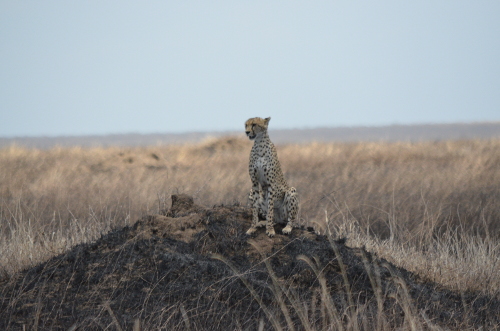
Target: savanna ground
point(431, 208)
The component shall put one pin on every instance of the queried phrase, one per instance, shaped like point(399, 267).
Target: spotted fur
point(269, 188)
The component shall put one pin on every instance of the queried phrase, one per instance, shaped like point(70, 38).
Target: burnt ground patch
point(166, 271)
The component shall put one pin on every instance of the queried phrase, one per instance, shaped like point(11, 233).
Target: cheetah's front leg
point(256, 203)
point(291, 204)
point(270, 214)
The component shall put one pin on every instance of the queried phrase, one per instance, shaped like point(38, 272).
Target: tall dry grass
point(431, 207)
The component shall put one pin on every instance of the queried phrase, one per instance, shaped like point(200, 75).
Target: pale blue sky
point(100, 67)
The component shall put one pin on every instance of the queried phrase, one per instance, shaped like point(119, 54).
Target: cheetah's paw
point(287, 229)
point(270, 232)
point(251, 230)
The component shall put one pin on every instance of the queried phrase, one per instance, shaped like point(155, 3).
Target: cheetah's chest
point(261, 170)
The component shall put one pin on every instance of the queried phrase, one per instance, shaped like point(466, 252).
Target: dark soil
point(162, 273)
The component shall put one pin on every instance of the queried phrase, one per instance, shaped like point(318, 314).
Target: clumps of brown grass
point(431, 207)
point(462, 262)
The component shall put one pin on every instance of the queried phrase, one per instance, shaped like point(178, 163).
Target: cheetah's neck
point(262, 138)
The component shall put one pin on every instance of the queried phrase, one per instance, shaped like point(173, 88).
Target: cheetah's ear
point(266, 120)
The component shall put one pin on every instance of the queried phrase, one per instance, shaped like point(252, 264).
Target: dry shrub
point(425, 200)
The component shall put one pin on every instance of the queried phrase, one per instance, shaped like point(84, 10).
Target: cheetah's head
point(256, 126)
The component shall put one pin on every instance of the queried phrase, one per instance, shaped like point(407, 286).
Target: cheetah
point(269, 192)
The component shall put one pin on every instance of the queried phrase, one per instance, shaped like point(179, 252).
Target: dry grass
point(430, 207)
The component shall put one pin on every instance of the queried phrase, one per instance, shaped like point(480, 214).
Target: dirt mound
point(223, 144)
point(167, 272)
